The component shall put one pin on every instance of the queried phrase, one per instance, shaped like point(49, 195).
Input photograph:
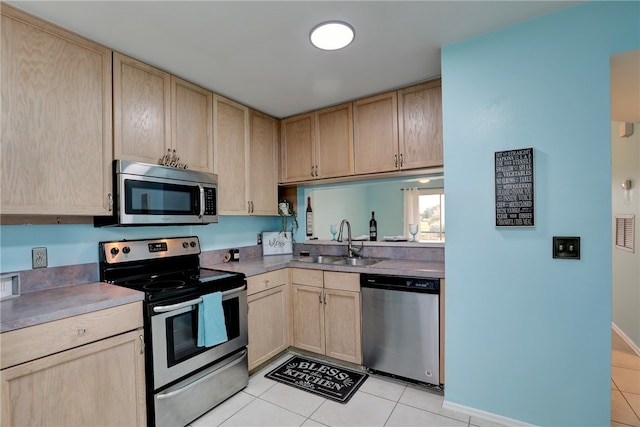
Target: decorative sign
point(171, 159)
point(514, 188)
point(277, 243)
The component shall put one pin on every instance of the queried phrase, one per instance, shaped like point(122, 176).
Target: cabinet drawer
point(342, 281)
point(265, 281)
point(302, 276)
point(23, 345)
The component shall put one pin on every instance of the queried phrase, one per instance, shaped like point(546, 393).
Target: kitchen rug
point(321, 378)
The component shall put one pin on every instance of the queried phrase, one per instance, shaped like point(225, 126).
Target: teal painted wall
point(529, 337)
point(78, 243)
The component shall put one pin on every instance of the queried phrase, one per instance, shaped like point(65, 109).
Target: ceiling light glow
point(332, 35)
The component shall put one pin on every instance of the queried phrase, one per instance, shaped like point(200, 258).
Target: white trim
point(499, 419)
point(626, 339)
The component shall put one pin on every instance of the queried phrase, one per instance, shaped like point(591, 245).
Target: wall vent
point(625, 230)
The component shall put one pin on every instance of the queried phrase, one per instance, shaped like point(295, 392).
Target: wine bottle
point(309, 218)
point(373, 228)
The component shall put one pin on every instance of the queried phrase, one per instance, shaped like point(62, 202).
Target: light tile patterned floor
point(382, 401)
point(625, 384)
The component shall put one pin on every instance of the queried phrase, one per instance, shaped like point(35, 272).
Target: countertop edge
point(34, 308)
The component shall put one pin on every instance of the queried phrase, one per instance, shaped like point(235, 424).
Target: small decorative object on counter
point(309, 218)
point(373, 228)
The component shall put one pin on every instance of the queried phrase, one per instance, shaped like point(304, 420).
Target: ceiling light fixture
point(332, 35)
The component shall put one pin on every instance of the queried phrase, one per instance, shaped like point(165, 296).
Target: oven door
point(174, 332)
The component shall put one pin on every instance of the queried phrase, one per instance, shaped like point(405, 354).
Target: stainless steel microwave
point(147, 194)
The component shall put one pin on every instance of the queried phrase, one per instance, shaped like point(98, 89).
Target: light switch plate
point(566, 247)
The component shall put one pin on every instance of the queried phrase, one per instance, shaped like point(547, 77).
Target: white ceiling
point(258, 53)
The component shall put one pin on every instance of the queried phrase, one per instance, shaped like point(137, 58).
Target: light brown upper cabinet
point(420, 125)
point(231, 142)
point(399, 130)
point(334, 141)
point(245, 159)
point(376, 134)
point(155, 111)
point(318, 145)
point(192, 124)
point(298, 140)
point(263, 164)
point(56, 127)
point(142, 110)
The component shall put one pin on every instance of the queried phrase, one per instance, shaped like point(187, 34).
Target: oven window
point(182, 332)
point(155, 198)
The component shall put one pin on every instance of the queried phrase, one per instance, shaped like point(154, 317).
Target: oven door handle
point(198, 381)
point(172, 307)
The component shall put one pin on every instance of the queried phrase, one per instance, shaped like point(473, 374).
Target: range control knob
point(114, 251)
point(126, 250)
point(185, 245)
point(192, 244)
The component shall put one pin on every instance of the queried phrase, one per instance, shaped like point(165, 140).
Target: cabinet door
point(375, 138)
point(308, 318)
point(298, 139)
point(342, 325)
point(231, 139)
point(192, 124)
point(263, 165)
point(141, 110)
point(420, 125)
point(55, 124)
point(334, 141)
point(98, 384)
point(268, 324)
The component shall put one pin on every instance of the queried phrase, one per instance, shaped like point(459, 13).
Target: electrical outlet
point(39, 257)
point(259, 238)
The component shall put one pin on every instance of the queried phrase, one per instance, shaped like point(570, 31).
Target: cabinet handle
point(110, 201)
point(401, 160)
point(325, 298)
point(252, 206)
point(395, 160)
point(320, 297)
point(141, 344)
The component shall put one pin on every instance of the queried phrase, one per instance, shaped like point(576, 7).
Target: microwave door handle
point(201, 188)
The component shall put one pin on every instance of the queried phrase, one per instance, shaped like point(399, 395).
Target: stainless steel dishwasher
point(401, 326)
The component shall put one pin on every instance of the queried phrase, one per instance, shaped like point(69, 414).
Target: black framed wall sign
point(514, 188)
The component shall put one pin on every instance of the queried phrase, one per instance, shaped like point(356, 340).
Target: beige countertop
point(33, 308)
point(394, 267)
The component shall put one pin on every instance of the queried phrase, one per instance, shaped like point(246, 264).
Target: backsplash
point(53, 277)
point(419, 253)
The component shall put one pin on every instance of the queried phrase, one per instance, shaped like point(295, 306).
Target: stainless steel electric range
point(183, 380)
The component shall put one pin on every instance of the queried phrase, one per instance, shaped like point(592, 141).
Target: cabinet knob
point(81, 332)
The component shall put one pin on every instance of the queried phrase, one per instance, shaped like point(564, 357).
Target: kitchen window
point(431, 214)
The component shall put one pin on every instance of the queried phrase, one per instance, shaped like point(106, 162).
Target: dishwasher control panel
point(400, 283)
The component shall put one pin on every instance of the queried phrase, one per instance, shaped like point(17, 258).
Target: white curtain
point(411, 209)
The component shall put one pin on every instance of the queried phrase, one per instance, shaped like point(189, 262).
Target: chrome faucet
point(352, 250)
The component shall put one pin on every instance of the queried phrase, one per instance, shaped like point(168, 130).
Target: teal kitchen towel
point(211, 326)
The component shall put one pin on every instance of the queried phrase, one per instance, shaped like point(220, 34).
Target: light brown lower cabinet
point(269, 316)
point(96, 384)
point(326, 313)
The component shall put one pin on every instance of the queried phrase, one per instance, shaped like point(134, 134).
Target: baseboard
point(498, 419)
point(626, 339)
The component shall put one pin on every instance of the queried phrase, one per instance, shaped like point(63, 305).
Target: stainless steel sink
point(358, 261)
point(331, 259)
point(320, 259)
